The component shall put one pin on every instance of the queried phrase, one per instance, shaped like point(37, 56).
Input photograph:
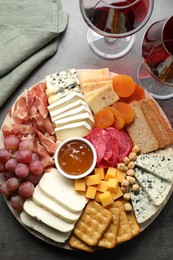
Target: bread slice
point(140, 132)
point(157, 121)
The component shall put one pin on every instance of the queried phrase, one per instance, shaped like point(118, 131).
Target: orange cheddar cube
point(118, 194)
point(112, 184)
point(106, 198)
point(92, 179)
point(97, 196)
point(101, 172)
point(102, 186)
point(111, 173)
point(120, 175)
point(91, 192)
point(80, 185)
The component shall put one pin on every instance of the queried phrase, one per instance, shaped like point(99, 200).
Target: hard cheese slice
point(142, 206)
point(156, 188)
point(158, 165)
point(61, 189)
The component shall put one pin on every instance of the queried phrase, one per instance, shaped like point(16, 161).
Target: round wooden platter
point(65, 245)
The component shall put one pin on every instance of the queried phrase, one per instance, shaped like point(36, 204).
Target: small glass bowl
point(80, 175)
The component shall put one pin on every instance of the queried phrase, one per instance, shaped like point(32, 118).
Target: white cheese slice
point(157, 189)
point(46, 217)
point(67, 107)
point(72, 112)
point(43, 229)
point(79, 129)
point(74, 96)
point(61, 189)
point(158, 165)
point(41, 199)
point(142, 206)
point(87, 117)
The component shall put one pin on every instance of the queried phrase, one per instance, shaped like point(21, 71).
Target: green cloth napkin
point(29, 34)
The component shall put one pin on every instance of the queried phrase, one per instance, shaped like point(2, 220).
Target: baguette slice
point(140, 132)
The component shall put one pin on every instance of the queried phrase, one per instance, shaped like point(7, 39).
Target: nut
point(136, 149)
point(127, 196)
point(135, 187)
point(127, 206)
point(125, 183)
point(131, 165)
point(130, 172)
point(132, 156)
point(122, 167)
point(125, 189)
point(126, 160)
point(131, 179)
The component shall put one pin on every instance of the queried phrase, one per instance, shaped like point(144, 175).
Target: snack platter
point(145, 180)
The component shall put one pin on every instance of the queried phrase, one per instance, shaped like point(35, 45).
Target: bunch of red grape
point(22, 170)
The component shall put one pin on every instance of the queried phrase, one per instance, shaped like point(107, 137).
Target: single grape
point(4, 155)
point(17, 202)
point(8, 175)
point(12, 184)
point(36, 167)
point(2, 167)
point(22, 170)
point(26, 144)
point(26, 189)
point(4, 190)
point(11, 142)
point(34, 178)
point(11, 165)
point(24, 156)
point(35, 157)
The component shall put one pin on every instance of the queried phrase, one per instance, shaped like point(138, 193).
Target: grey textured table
point(156, 242)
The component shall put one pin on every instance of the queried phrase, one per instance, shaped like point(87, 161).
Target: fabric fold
point(29, 34)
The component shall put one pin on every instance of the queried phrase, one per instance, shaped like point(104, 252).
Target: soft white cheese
point(43, 229)
point(46, 217)
point(54, 207)
point(61, 189)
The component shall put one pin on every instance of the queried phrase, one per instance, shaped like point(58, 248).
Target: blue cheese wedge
point(52, 206)
point(44, 229)
point(157, 189)
point(158, 165)
point(143, 207)
point(61, 84)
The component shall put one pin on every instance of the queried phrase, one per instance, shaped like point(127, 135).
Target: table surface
point(153, 243)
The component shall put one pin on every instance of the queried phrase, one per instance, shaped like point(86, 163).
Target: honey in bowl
point(75, 158)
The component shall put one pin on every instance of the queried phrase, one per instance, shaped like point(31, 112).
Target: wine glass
point(113, 24)
point(156, 72)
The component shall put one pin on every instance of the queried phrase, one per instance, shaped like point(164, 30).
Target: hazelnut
point(135, 187)
point(126, 160)
point(131, 165)
point(132, 156)
point(122, 167)
point(125, 183)
point(127, 206)
point(136, 149)
point(130, 172)
point(131, 180)
point(127, 196)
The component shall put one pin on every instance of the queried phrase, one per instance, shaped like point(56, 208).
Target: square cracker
point(75, 242)
point(133, 223)
point(109, 238)
point(124, 229)
point(92, 223)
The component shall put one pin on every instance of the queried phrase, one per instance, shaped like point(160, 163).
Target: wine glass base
point(154, 87)
point(109, 48)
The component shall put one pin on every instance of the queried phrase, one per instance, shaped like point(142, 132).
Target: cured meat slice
point(47, 142)
point(111, 145)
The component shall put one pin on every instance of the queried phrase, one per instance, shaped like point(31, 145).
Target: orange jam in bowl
point(75, 158)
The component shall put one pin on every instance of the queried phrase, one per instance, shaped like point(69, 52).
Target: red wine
point(157, 50)
point(118, 21)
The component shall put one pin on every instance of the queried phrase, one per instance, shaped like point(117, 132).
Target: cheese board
point(66, 105)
